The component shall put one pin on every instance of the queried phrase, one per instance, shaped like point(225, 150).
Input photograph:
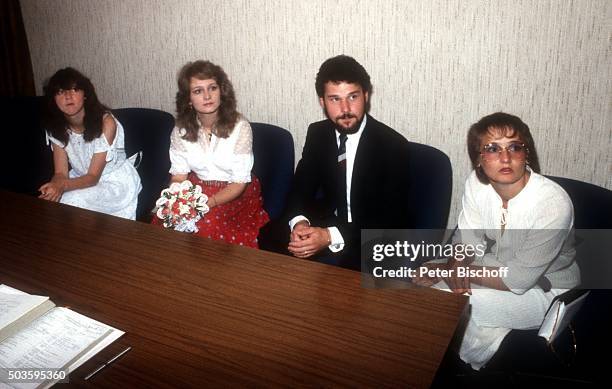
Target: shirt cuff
point(296, 220)
point(337, 242)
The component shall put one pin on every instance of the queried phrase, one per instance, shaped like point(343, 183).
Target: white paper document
point(17, 308)
point(59, 338)
point(559, 316)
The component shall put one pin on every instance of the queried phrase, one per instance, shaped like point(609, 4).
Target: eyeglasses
point(69, 91)
point(492, 151)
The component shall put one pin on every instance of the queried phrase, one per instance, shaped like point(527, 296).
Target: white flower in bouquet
point(181, 205)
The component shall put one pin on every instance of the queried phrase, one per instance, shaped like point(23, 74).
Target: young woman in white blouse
point(528, 221)
point(91, 168)
point(211, 146)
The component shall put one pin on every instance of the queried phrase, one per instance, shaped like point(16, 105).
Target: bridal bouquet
point(181, 205)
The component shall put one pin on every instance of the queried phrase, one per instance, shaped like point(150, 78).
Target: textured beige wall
point(436, 65)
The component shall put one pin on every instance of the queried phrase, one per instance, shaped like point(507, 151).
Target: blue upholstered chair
point(592, 203)
point(148, 131)
point(431, 176)
point(274, 164)
point(27, 160)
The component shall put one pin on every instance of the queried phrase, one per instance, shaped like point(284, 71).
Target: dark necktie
point(341, 194)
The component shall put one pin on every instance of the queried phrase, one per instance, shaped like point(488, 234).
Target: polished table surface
point(200, 313)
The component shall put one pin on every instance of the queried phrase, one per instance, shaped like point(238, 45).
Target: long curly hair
point(227, 115)
point(54, 120)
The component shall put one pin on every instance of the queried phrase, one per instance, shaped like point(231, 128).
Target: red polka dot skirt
point(237, 222)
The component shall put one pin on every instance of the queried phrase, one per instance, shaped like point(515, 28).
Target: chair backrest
point(431, 175)
point(274, 164)
point(592, 211)
point(592, 203)
point(148, 130)
point(27, 160)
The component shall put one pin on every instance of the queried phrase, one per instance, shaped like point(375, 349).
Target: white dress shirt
point(352, 142)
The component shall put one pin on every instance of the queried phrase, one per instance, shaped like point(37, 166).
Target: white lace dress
point(117, 191)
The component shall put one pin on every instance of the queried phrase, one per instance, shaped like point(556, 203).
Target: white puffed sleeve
point(49, 138)
point(178, 152)
point(101, 145)
point(243, 153)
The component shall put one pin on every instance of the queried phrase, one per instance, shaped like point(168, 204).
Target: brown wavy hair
point(54, 120)
point(186, 116)
point(509, 125)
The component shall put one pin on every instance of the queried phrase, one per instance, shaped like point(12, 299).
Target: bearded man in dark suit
point(352, 175)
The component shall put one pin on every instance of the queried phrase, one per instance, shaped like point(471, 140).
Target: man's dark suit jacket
point(379, 186)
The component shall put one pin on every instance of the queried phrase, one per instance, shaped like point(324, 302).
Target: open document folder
point(35, 334)
point(560, 313)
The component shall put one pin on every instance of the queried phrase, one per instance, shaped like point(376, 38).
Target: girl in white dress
point(91, 168)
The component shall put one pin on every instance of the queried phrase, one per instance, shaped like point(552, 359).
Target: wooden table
point(200, 313)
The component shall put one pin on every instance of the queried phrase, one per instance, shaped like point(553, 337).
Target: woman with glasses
point(524, 222)
point(91, 168)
